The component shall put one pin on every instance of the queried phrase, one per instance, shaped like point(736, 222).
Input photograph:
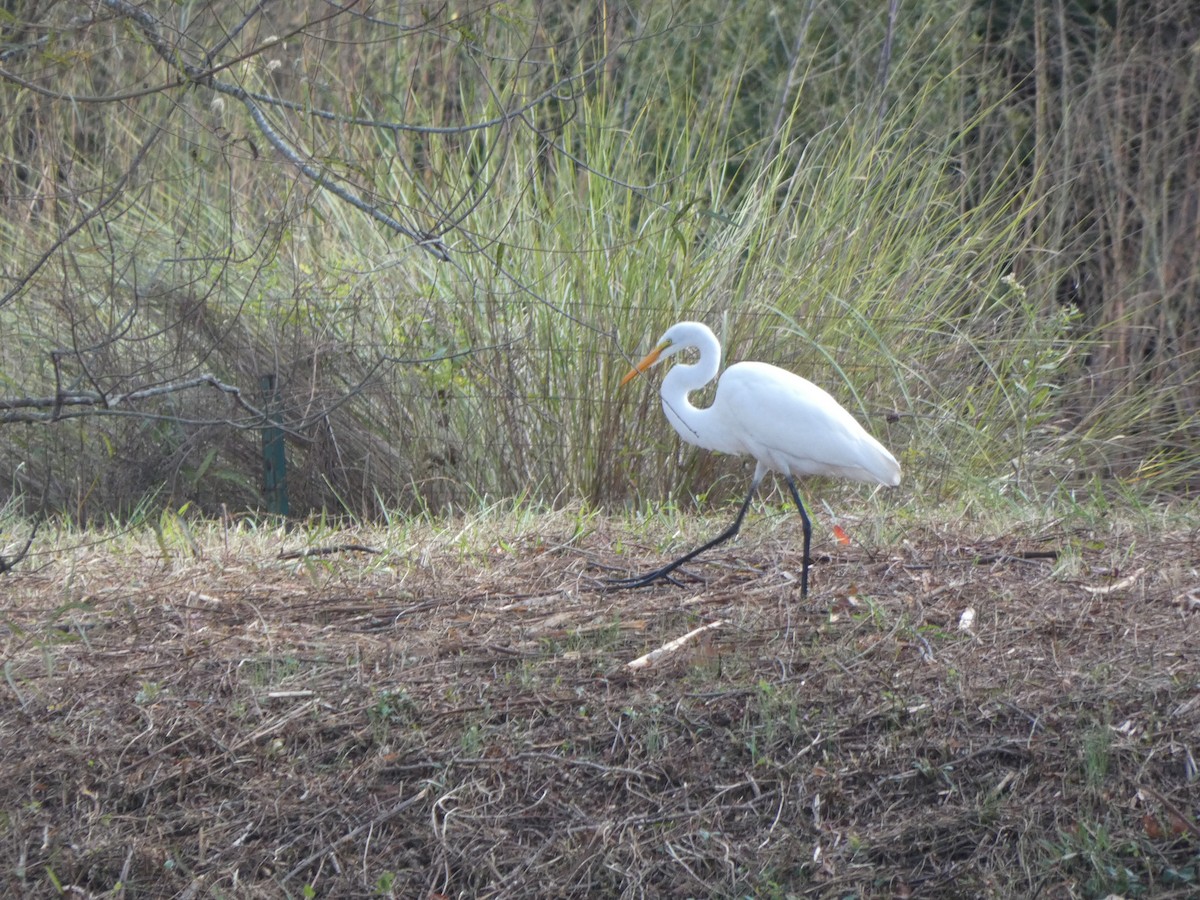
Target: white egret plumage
point(785, 422)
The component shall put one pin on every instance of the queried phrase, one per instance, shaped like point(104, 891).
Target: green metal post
point(274, 458)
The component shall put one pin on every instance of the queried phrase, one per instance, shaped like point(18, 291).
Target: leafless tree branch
point(114, 194)
point(150, 28)
point(7, 565)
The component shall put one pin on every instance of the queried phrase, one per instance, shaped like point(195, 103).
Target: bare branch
point(94, 403)
point(111, 197)
point(149, 27)
point(554, 91)
point(426, 242)
point(251, 14)
point(95, 399)
point(6, 565)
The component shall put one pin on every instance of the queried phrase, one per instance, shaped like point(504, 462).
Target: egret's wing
point(795, 427)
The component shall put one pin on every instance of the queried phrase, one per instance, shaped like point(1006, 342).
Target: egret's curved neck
point(687, 377)
point(693, 423)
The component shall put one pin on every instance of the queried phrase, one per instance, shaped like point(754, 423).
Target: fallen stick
point(1113, 588)
point(671, 646)
point(325, 551)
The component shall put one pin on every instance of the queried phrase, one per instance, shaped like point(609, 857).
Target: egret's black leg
point(807, 536)
point(651, 577)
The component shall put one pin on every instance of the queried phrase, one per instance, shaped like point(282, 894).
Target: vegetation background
point(424, 242)
point(977, 224)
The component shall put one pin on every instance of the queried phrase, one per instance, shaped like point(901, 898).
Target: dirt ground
point(948, 717)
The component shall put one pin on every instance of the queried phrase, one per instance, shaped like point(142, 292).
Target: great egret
point(787, 423)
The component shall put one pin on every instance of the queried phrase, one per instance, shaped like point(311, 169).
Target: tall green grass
point(758, 168)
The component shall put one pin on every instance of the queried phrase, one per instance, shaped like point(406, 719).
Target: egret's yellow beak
point(647, 361)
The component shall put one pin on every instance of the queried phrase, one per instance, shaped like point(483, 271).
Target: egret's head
point(678, 337)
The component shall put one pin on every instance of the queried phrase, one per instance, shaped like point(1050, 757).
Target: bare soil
point(952, 717)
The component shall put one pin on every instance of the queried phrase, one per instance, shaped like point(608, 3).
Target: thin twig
point(117, 192)
point(327, 551)
point(6, 565)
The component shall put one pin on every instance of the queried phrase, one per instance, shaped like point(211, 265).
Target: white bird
point(787, 423)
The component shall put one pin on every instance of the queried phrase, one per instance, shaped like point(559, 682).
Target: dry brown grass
point(453, 717)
